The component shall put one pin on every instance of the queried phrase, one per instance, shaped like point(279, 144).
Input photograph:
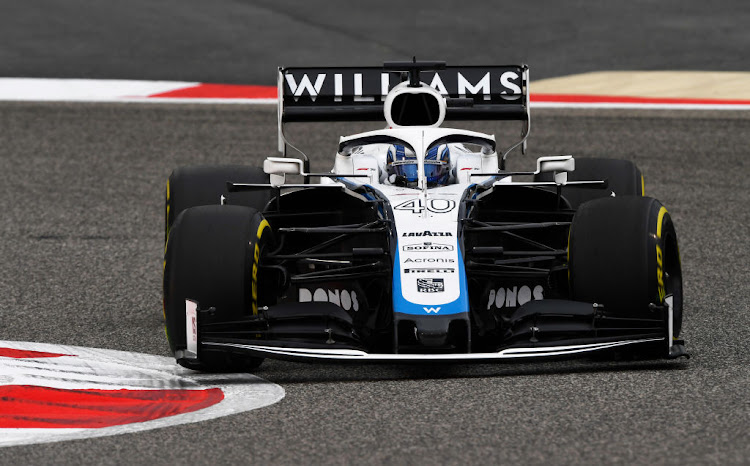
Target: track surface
point(81, 232)
point(81, 243)
point(244, 41)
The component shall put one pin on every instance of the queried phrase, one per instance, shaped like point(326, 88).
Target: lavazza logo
point(410, 234)
point(427, 247)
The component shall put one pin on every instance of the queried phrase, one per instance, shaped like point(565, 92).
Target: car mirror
point(279, 167)
point(559, 165)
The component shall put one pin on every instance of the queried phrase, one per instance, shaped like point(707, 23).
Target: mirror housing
point(559, 165)
point(279, 167)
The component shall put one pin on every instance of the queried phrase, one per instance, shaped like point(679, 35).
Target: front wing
point(201, 339)
point(341, 355)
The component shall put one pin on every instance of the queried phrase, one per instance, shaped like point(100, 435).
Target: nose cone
point(434, 333)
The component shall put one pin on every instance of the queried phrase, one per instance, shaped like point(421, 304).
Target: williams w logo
point(430, 310)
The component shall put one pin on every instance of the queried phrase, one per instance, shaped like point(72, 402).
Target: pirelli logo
point(442, 270)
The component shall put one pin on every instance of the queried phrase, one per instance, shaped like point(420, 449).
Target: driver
point(401, 164)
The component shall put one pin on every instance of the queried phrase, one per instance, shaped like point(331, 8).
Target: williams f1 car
point(419, 245)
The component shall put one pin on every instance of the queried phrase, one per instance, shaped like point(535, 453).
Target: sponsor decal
point(660, 273)
point(429, 270)
point(51, 393)
point(256, 261)
point(429, 259)
point(431, 310)
point(430, 285)
point(345, 299)
point(427, 247)
point(365, 85)
point(660, 256)
point(191, 327)
point(305, 85)
point(436, 206)
point(410, 234)
point(513, 297)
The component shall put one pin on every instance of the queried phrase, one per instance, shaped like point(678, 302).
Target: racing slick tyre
point(623, 176)
point(206, 184)
point(212, 257)
point(623, 254)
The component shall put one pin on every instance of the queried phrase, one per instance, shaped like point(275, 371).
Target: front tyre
point(212, 257)
point(623, 254)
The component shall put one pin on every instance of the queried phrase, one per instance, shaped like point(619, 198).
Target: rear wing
point(358, 93)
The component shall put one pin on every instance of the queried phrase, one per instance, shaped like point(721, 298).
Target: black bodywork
point(513, 239)
point(325, 279)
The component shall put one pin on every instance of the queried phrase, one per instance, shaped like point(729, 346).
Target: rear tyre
point(206, 184)
point(623, 176)
point(212, 257)
point(623, 253)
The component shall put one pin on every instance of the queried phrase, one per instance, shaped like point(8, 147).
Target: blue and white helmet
point(401, 163)
point(437, 165)
point(403, 169)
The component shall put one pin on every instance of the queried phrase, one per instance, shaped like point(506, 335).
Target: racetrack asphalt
point(82, 240)
point(231, 41)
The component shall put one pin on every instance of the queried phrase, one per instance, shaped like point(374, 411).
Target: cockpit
point(401, 158)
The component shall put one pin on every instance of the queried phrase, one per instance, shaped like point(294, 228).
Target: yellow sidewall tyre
point(213, 256)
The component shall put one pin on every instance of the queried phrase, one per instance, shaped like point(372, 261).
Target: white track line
point(132, 91)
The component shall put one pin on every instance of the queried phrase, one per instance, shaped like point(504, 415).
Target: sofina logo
point(431, 310)
point(427, 247)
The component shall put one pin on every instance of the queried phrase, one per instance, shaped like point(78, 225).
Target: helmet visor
point(407, 170)
point(436, 173)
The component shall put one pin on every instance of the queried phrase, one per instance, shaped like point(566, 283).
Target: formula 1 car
point(419, 245)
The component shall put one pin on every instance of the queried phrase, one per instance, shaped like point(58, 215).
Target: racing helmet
point(437, 165)
point(401, 164)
